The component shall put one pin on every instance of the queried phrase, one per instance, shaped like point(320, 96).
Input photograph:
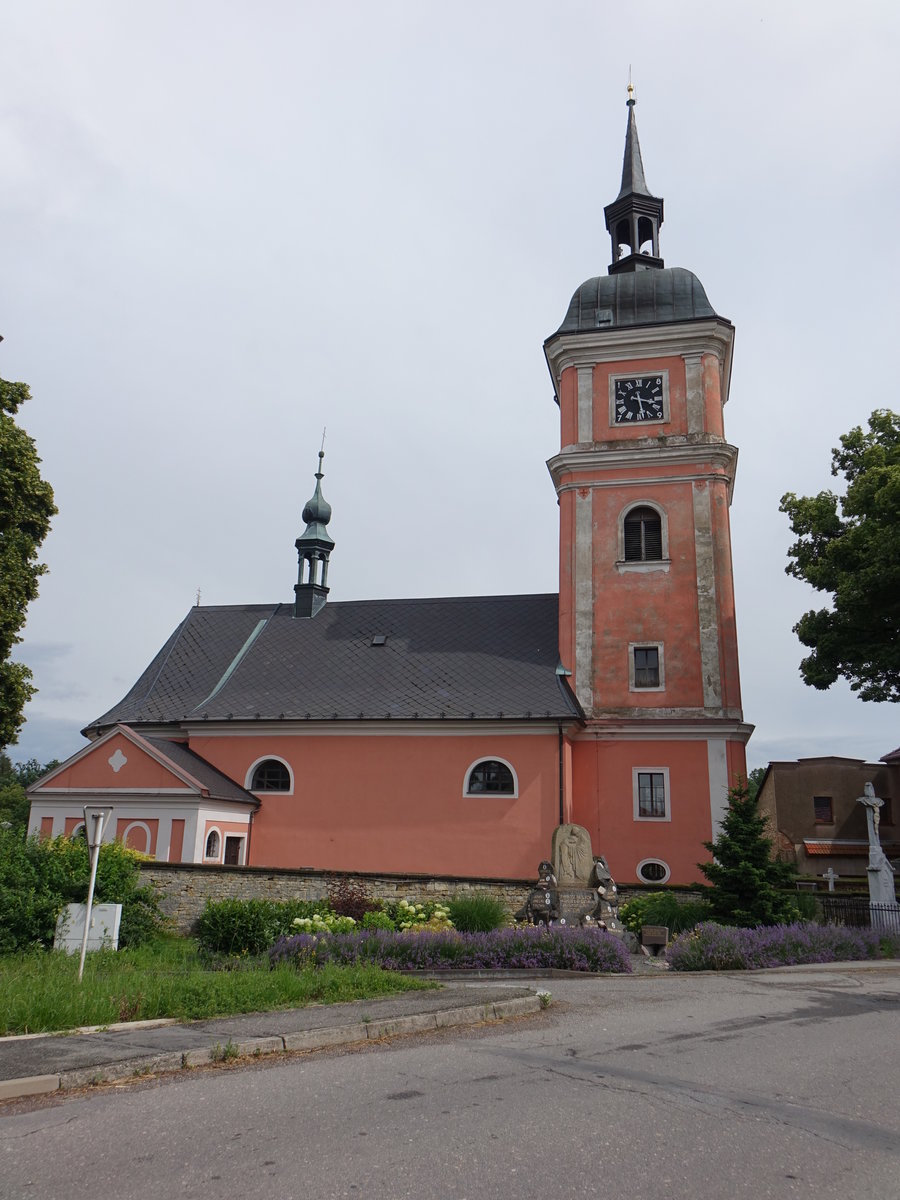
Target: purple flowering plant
point(712, 947)
point(525, 947)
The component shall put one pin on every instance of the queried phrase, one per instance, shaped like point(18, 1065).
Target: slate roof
point(481, 657)
point(652, 297)
point(219, 786)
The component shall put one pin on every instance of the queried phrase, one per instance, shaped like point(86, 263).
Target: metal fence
point(858, 911)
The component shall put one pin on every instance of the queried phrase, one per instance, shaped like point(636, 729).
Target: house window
point(270, 775)
point(212, 845)
point(651, 794)
point(887, 811)
point(643, 540)
point(823, 810)
point(646, 666)
point(653, 870)
point(490, 776)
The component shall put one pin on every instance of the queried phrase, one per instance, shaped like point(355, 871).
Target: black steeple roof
point(634, 217)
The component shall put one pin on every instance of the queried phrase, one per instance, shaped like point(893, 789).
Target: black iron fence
point(858, 911)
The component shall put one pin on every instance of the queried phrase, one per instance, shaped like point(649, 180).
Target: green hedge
point(234, 927)
point(39, 876)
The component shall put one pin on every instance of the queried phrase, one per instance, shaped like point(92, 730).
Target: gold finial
point(630, 87)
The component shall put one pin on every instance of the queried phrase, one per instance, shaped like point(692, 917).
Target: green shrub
point(234, 927)
point(39, 876)
point(663, 908)
point(477, 914)
point(377, 920)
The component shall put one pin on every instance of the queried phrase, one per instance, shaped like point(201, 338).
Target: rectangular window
point(651, 794)
point(823, 810)
point(646, 667)
point(887, 811)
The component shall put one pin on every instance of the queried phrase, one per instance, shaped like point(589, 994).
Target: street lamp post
point(95, 818)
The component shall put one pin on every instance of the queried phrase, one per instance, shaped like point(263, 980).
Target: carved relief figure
point(573, 860)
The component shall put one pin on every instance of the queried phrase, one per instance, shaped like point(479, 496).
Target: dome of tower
point(651, 297)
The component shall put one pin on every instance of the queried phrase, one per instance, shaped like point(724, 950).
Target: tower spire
point(634, 217)
point(314, 546)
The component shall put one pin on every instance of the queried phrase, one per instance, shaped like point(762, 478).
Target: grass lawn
point(39, 991)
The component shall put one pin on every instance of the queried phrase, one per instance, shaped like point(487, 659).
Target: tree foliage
point(26, 506)
point(14, 779)
point(747, 883)
point(850, 546)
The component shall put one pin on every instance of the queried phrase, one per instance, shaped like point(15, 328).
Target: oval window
point(652, 870)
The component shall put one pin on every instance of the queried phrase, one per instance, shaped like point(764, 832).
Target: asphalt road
point(708, 1087)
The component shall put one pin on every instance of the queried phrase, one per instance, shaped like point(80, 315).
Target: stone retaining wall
point(185, 888)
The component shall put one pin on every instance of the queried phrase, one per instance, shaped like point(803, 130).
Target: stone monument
point(575, 888)
point(879, 870)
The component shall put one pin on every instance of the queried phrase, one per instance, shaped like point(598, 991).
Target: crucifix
point(831, 875)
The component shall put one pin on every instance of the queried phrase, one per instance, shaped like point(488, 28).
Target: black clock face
point(639, 399)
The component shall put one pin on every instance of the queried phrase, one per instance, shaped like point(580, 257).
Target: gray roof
point(651, 297)
point(219, 786)
point(482, 657)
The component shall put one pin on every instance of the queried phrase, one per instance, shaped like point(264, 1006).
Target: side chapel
point(451, 736)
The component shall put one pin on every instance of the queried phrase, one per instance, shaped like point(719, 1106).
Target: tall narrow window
point(823, 810)
point(212, 845)
point(651, 794)
point(643, 535)
point(646, 667)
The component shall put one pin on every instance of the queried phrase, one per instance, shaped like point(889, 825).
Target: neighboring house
point(451, 736)
point(818, 824)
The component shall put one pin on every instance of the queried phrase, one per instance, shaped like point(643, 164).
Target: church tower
point(641, 366)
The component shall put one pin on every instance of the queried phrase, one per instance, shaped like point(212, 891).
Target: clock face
point(639, 399)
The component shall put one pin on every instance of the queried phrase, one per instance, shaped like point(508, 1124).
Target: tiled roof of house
point(482, 657)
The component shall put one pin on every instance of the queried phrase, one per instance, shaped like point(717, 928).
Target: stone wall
point(185, 888)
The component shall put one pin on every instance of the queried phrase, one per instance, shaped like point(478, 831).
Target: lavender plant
point(526, 947)
point(712, 947)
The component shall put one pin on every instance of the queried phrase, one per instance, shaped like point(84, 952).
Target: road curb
point(304, 1040)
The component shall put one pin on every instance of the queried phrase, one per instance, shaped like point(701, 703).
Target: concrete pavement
point(39, 1063)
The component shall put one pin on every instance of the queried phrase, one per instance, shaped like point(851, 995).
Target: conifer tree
point(747, 882)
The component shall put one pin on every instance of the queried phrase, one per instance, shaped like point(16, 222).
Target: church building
point(451, 736)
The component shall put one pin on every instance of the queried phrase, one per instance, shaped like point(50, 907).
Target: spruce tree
point(747, 882)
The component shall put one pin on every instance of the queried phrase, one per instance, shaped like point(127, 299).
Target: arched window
point(212, 845)
point(270, 775)
point(643, 541)
point(492, 777)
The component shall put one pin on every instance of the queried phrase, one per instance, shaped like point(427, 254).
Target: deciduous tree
point(850, 546)
point(26, 506)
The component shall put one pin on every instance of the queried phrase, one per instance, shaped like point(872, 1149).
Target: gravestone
point(103, 932)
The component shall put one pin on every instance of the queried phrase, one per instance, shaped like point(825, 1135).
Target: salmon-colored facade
point(440, 736)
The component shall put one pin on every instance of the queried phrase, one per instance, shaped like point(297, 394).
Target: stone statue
point(879, 870)
point(573, 860)
point(542, 905)
point(605, 914)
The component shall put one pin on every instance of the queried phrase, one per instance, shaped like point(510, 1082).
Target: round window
point(651, 870)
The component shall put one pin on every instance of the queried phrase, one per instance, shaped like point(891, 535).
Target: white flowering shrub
point(323, 923)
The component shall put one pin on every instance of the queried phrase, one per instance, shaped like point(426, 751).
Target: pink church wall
point(396, 804)
point(604, 804)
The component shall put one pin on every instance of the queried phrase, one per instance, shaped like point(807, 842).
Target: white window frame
point(513, 795)
point(248, 780)
point(664, 771)
point(646, 861)
point(647, 645)
point(641, 564)
point(216, 858)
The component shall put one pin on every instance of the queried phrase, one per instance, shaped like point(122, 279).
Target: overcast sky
point(226, 225)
